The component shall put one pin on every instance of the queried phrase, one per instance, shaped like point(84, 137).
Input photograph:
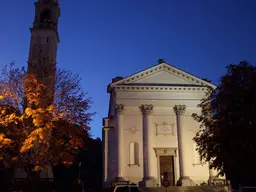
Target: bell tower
point(43, 46)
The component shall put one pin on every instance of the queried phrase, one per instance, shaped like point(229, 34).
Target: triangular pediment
point(160, 75)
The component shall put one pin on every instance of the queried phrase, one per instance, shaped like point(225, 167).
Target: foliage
point(92, 166)
point(228, 124)
point(37, 134)
point(70, 101)
point(88, 170)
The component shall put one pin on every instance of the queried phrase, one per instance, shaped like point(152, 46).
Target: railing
point(192, 183)
point(221, 185)
point(220, 182)
point(247, 189)
point(219, 188)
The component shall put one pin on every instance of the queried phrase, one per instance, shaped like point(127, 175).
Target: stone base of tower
point(148, 182)
point(47, 173)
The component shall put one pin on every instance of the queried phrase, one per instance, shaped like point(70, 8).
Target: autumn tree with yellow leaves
point(32, 134)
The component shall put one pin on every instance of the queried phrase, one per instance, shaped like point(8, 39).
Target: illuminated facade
point(149, 129)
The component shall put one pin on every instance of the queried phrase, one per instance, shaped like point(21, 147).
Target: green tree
point(228, 124)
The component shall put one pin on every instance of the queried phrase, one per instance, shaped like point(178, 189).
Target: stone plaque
point(165, 129)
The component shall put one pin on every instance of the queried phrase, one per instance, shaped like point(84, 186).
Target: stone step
point(181, 189)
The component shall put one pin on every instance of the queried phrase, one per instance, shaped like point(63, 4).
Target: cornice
point(133, 88)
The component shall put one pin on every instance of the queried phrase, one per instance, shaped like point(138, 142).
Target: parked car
point(126, 188)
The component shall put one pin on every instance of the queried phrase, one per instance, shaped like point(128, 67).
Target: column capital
point(105, 129)
point(119, 109)
point(146, 109)
point(179, 109)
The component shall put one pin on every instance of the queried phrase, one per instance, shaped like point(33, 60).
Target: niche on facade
point(133, 154)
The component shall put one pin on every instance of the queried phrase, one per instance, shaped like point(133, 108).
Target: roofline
point(116, 82)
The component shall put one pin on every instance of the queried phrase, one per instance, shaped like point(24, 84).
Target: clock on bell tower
point(43, 45)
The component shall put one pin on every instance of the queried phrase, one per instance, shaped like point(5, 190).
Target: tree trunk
point(33, 179)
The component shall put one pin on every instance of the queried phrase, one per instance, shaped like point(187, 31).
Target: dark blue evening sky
point(101, 39)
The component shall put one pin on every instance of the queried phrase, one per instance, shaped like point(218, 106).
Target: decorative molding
point(161, 88)
point(165, 129)
point(166, 151)
point(108, 122)
point(133, 165)
point(179, 109)
point(132, 130)
point(146, 109)
point(119, 109)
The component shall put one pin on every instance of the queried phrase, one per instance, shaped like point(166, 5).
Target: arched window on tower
point(45, 16)
point(133, 154)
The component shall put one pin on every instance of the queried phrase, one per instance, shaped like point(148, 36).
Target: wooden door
point(167, 167)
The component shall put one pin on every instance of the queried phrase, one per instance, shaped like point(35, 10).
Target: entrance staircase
point(183, 189)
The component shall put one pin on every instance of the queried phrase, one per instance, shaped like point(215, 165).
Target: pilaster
point(105, 154)
point(179, 110)
point(119, 111)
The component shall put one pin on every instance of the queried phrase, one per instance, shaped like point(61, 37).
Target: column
point(179, 110)
point(148, 151)
point(105, 154)
point(119, 109)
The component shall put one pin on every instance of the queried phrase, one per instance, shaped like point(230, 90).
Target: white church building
point(149, 131)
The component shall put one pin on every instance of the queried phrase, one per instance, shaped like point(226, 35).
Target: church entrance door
point(167, 169)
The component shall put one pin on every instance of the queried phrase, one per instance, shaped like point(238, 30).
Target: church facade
point(148, 134)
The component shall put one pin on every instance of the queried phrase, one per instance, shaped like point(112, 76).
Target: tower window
point(45, 16)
